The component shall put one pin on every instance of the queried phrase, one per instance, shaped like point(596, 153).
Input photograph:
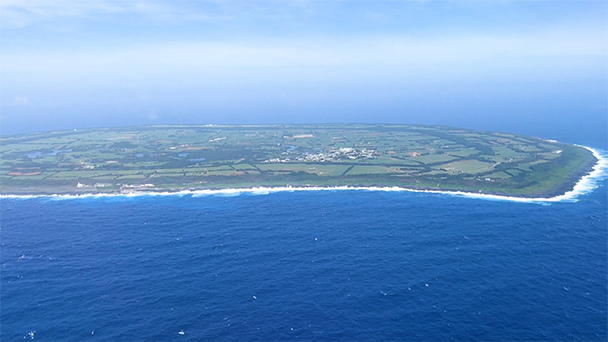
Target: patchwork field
point(161, 158)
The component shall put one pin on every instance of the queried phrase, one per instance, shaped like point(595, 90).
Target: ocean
point(304, 265)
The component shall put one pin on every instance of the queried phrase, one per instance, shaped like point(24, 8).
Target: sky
point(529, 67)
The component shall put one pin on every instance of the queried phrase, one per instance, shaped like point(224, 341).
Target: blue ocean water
point(318, 265)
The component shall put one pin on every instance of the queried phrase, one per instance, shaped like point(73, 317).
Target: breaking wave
point(585, 185)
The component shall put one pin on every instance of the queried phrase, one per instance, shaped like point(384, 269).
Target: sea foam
point(585, 185)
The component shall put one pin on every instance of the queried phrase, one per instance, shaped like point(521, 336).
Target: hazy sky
point(478, 64)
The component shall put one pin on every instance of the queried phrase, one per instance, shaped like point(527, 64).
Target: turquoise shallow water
point(317, 265)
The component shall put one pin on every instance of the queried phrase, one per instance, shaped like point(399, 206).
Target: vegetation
point(161, 158)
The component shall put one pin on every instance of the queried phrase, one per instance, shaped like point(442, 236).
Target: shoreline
point(584, 185)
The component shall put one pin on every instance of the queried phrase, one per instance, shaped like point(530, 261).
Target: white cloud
point(371, 51)
point(20, 13)
point(553, 54)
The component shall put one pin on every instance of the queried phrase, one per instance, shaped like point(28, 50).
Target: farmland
point(172, 158)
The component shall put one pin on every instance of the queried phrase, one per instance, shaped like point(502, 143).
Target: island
point(169, 158)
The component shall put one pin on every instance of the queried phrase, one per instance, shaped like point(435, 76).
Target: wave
point(585, 185)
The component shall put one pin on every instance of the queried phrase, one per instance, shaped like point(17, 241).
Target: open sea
point(331, 265)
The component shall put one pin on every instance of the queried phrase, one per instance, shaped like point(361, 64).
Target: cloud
point(366, 53)
point(20, 13)
point(209, 60)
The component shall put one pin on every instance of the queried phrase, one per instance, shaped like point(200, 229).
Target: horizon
point(525, 67)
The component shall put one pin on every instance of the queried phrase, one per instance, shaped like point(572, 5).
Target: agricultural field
point(172, 158)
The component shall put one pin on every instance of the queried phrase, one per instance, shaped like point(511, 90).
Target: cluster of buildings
point(329, 155)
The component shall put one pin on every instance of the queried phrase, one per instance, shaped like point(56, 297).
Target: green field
point(169, 158)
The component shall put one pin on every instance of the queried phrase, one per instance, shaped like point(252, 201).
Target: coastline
point(584, 185)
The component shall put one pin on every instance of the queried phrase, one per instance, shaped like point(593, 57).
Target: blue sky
point(505, 65)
